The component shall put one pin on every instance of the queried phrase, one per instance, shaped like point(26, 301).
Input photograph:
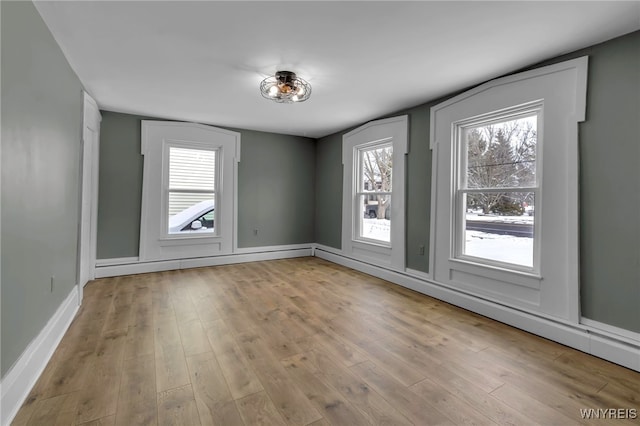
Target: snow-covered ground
point(497, 218)
point(377, 229)
point(503, 248)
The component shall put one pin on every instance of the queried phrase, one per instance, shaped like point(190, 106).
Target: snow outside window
point(373, 211)
point(497, 188)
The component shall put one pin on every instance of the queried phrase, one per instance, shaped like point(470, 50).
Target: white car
point(197, 218)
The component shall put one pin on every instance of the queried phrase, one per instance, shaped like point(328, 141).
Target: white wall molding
point(19, 380)
point(601, 342)
point(127, 266)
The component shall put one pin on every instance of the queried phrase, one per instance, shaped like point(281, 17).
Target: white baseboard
point(110, 267)
point(19, 380)
point(620, 348)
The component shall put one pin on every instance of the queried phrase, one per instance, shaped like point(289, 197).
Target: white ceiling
point(203, 61)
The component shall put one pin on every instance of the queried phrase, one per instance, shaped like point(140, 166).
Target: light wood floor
point(306, 342)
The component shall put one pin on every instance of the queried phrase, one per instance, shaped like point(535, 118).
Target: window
point(189, 190)
point(505, 192)
point(497, 187)
point(373, 192)
point(375, 165)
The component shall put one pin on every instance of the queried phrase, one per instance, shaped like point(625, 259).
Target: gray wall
point(275, 188)
point(120, 186)
point(609, 182)
point(610, 185)
point(41, 145)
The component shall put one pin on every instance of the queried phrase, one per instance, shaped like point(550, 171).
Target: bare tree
point(500, 156)
point(378, 165)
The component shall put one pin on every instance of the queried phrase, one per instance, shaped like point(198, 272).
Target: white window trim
point(379, 252)
point(563, 90)
point(155, 241)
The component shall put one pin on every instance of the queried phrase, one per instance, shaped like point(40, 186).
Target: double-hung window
point(188, 190)
point(375, 165)
point(497, 188)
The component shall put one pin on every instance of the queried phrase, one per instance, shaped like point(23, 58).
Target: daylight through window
point(375, 166)
point(497, 190)
point(191, 190)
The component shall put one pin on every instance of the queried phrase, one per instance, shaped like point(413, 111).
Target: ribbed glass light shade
point(285, 87)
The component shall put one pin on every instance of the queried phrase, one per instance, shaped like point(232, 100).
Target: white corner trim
point(606, 344)
point(19, 380)
point(255, 254)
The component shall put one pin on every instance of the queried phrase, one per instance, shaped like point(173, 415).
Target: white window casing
point(376, 135)
point(556, 96)
point(171, 186)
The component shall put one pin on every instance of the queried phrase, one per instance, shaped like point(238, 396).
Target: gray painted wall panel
point(610, 186)
point(276, 184)
point(328, 191)
point(120, 186)
point(275, 188)
point(41, 146)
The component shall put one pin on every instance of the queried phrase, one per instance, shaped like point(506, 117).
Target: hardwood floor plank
point(58, 410)
point(171, 368)
point(193, 337)
point(290, 401)
point(213, 398)
point(239, 375)
point(140, 341)
point(415, 408)
point(531, 408)
point(177, 407)
point(258, 410)
point(105, 421)
point(329, 403)
point(137, 403)
point(475, 397)
point(376, 409)
point(99, 395)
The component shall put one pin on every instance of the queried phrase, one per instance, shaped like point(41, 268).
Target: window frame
point(359, 191)
point(460, 129)
point(164, 224)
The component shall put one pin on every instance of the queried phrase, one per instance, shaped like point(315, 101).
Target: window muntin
point(496, 191)
point(191, 190)
point(373, 195)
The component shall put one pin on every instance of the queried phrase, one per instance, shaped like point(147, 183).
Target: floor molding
point(19, 380)
point(110, 268)
point(598, 342)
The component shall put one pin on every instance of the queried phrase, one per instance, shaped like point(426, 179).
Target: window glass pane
point(375, 169)
point(192, 169)
point(501, 155)
point(376, 217)
point(502, 232)
point(187, 207)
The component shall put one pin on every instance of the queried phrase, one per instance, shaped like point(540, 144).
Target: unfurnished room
point(320, 213)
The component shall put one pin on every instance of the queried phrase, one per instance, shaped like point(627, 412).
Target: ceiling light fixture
point(285, 87)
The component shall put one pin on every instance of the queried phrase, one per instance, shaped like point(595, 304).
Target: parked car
point(197, 218)
point(371, 211)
